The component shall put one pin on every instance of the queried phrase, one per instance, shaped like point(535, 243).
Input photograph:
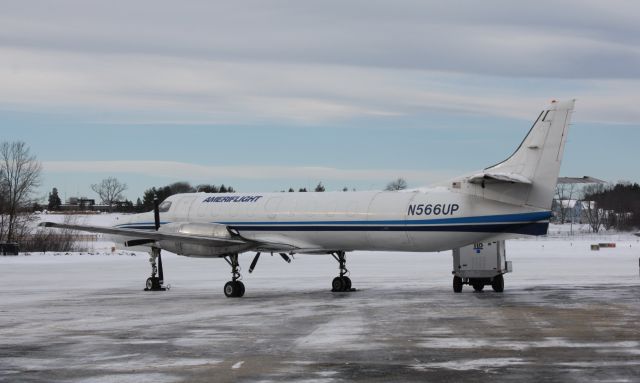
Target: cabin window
point(164, 207)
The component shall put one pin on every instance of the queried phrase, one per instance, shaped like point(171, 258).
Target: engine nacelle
point(211, 230)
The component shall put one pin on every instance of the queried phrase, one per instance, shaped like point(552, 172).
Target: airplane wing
point(145, 237)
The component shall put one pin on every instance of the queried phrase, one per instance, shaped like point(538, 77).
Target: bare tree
point(110, 191)
point(564, 195)
point(399, 184)
point(595, 215)
point(3, 203)
point(592, 205)
point(19, 176)
point(53, 240)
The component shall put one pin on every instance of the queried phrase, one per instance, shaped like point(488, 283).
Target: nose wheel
point(156, 280)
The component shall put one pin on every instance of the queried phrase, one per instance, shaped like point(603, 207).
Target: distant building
point(575, 210)
point(79, 204)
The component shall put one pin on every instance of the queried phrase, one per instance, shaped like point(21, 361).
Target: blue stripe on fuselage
point(521, 223)
point(503, 218)
point(530, 228)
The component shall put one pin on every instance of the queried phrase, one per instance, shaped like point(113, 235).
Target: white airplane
point(507, 200)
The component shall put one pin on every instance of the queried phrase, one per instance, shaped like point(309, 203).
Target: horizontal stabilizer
point(579, 180)
point(495, 177)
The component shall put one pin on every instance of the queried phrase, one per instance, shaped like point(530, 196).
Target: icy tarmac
point(567, 314)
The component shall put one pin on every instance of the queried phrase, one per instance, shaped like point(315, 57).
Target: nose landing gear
point(155, 283)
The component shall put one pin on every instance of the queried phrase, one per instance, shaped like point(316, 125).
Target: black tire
point(347, 283)
point(338, 284)
point(230, 289)
point(457, 284)
point(498, 284)
point(240, 289)
point(153, 283)
point(478, 286)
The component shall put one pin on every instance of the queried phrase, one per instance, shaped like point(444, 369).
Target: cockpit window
point(164, 207)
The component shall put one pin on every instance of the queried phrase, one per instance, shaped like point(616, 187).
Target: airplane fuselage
point(422, 220)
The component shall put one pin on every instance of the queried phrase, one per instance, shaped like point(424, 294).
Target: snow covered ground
point(567, 314)
point(557, 259)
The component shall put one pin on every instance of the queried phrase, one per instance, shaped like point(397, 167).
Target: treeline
point(613, 206)
point(163, 192)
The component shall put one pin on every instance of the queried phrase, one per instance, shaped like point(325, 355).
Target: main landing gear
point(234, 288)
point(155, 283)
point(341, 283)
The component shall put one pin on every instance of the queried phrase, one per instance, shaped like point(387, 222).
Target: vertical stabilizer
point(529, 176)
point(539, 156)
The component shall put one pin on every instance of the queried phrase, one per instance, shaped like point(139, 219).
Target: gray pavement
point(377, 334)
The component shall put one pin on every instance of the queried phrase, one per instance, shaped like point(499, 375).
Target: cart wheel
point(457, 284)
point(498, 284)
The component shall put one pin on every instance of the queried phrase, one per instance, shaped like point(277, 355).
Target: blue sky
point(271, 94)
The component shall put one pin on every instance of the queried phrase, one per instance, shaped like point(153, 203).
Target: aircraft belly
point(322, 238)
point(438, 241)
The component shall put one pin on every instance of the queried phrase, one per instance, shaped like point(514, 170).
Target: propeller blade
point(285, 257)
point(156, 212)
point(254, 262)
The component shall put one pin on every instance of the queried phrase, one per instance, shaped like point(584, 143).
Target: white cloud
point(135, 88)
point(182, 170)
point(309, 63)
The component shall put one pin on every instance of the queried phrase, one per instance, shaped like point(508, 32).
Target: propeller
point(156, 212)
point(254, 262)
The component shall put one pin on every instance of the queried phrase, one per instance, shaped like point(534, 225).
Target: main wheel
point(240, 289)
point(232, 289)
point(149, 284)
point(498, 284)
point(347, 283)
point(338, 284)
point(457, 284)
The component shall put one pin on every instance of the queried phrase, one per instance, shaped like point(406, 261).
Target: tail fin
point(530, 175)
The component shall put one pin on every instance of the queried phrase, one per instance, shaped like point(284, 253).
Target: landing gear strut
point(234, 288)
point(341, 283)
point(155, 283)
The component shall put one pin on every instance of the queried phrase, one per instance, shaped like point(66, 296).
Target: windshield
point(164, 207)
